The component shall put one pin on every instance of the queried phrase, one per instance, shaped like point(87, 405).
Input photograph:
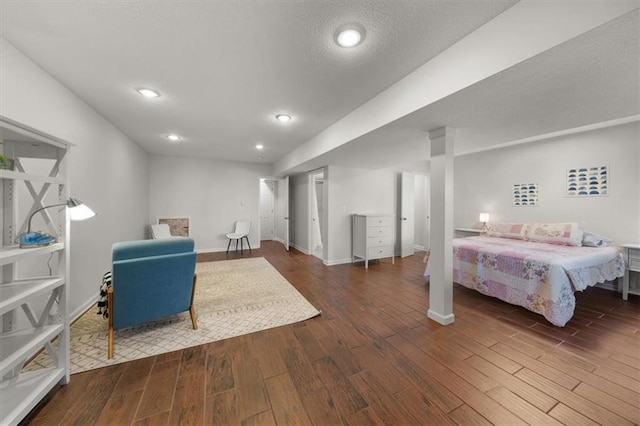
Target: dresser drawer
point(634, 264)
point(379, 252)
point(379, 231)
point(634, 254)
point(383, 240)
point(380, 221)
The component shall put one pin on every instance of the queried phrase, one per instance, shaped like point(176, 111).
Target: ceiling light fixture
point(148, 93)
point(350, 35)
point(259, 146)
point(174, 138)
point(283, 118)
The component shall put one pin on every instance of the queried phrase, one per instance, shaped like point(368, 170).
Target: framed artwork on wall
point(178, 226)
point(588, 181)
point(525, 194)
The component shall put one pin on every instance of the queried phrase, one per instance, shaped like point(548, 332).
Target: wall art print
point(588, 181)
point(525, 194)
point(178, 226)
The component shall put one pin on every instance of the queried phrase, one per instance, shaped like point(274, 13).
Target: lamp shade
point(78, 210)
point(484, 217)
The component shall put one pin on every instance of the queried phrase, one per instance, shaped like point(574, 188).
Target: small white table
point(632, 261)
point(468, 232)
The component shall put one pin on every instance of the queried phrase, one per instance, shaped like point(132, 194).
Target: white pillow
point(567, 234)
point(517, 231)
point(589, 239)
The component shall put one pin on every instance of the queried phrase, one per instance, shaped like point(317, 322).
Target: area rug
point(233, 297)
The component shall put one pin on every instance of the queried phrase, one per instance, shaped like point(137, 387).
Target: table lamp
point(484, 218)
point(77, 211)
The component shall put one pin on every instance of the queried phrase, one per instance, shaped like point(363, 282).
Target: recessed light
point(148, 93)
point(259, 146)
point(350, 35)
point(283, 118)
point(174, 138)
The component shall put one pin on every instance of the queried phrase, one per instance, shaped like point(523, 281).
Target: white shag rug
point(233, 297)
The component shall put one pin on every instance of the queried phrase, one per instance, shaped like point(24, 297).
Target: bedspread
point(537, 276)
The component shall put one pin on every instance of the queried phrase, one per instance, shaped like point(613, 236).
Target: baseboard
point(219, 249)
point(337, 262)
point(610, 285)
point(300, 249)
point(442, 319)
point(398, 253)
point(84, 307)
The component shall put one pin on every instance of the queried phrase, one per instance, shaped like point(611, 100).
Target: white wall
point(352, 191)
point(484, 182)
point(107, 171)
point(212, 194)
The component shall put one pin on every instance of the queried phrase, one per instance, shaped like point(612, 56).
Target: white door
point(282, 219)
point(316, 202)
point(407, 214)
point(267, 223)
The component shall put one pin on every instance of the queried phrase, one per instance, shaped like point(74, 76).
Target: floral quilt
point(537, 276)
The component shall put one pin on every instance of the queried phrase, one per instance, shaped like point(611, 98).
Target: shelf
point(18, 397)
point(10, 254)
point(14, 294)
point(16, 347)
point(11, 174)
point(22, 285)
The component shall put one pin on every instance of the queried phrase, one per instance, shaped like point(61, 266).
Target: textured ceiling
point(590, 79)
point(226, 68)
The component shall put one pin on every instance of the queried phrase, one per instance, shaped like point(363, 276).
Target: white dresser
point(372, 237)
point(632, 262)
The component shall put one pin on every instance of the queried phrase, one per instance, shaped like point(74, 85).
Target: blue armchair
point(151, 280)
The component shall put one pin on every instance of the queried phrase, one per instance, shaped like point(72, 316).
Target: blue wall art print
point(588, 181)
point(525, 194)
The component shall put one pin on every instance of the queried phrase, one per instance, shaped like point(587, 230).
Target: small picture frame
point(525, 194)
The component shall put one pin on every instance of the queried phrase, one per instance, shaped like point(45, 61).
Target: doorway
point(273, 210)
point(267, 209)
point(413, 213)
point(317, 212)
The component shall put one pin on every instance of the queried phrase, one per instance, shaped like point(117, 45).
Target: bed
point(538, 276)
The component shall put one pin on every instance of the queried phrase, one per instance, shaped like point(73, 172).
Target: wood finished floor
point(373, 358)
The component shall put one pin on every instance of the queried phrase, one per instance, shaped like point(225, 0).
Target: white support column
point(441, 258)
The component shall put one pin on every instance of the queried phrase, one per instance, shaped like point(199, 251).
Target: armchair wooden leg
point(110, 313)
point(192, 310)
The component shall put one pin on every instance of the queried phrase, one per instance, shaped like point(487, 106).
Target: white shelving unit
point(33, 307)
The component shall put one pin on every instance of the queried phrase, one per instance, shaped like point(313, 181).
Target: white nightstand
point(632, 260)
point(468, 232)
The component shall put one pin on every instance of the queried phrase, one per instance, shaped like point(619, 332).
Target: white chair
point(241, 232)
point(160, 231)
